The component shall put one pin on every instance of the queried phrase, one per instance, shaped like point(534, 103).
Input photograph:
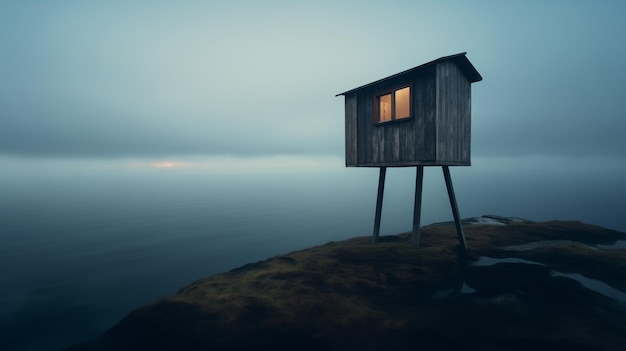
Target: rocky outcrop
point(522, 285)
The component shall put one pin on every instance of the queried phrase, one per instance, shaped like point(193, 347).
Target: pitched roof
point(460, 59)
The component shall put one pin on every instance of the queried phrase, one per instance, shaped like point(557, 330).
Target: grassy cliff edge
point(519, 287)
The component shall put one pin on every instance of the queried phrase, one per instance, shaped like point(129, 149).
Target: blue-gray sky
point(158, 79)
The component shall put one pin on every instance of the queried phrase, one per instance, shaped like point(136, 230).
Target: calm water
point(81, 247)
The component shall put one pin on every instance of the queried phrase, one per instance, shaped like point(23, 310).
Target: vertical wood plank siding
point(365, 119)
point(351, 129)
point(453, 115)
point(438, 133)
point(426, 117)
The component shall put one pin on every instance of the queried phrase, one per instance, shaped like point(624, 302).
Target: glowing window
point(403, 105)
point(384, 105)
point(394, 105)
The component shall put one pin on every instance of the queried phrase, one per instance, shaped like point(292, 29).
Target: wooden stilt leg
point(455, 209)
point(379, 202)
point(417, 209)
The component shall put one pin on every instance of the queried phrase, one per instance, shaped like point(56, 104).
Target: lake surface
point(82, 244)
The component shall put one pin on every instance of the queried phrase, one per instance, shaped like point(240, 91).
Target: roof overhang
point(460, 59)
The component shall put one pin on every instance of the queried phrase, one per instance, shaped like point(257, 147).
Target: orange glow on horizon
point(233, 164)
point(168, 164)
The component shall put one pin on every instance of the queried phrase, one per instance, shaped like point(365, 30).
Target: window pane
point(384, 108)
point(403, 103)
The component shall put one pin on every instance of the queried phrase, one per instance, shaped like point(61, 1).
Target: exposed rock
point(494, 220)
point(518, 288)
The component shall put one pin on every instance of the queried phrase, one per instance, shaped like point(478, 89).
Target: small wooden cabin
point(419, 117)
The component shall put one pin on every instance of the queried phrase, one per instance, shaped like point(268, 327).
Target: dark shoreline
point(357, 295)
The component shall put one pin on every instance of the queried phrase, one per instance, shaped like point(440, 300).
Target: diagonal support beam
point(455, 209)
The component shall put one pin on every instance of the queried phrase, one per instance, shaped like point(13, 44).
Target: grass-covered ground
point(355, 295)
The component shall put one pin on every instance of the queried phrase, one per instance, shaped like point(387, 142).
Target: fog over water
point(84, 242)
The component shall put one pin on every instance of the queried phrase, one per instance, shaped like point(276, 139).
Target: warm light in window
point(385, 108)
point(394, 105)
point(403, 107)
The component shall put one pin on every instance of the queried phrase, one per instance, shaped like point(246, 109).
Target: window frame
point(392, 91)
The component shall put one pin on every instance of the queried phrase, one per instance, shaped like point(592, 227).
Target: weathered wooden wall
point(425, 117)
point(453, 114)
point(438, 133)
point(402, 142)
point(351, 129)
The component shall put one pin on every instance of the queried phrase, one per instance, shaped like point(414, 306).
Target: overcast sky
point(158, 79)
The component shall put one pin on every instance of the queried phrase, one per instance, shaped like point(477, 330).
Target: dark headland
point(522, 286)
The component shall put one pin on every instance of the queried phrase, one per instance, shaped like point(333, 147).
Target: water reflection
point(591, 284)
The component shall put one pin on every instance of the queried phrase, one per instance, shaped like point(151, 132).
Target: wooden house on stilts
point(418, 117)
